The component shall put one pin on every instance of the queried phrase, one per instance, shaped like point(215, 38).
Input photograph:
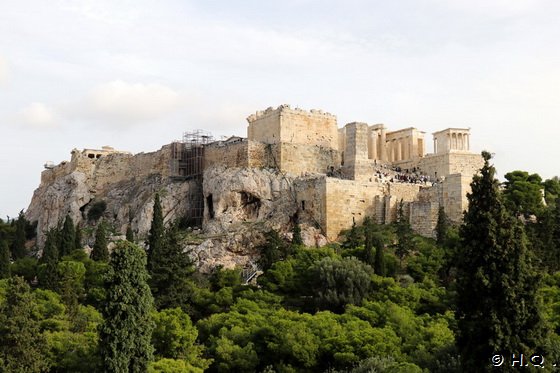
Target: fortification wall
point(294, 126)
point(454, 196)
point(310, 195)
point(297, 159)
point(346, 200)
point(423, 217)
point(229, 155)
point(438, 165)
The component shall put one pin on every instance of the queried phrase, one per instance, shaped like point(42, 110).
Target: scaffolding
point(187, 163)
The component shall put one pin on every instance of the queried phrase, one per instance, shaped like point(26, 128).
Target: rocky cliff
point(240, 204)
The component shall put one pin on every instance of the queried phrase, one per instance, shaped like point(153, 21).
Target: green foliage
point(442, 226)
point(551, 190)
point(369, 254)
point(18, 244)
point(96, 210)
point(126, 332)
point(297, 240)
point(100, 250)
point(170, 271)
point(222, 278)
point(174, 337)
point(26, 267)
point(172, 366)
point(4, 259)
point(129, 233)
point(379, 267)
point(339, 282)
point(78, 239)
point(71, 276)
point(67, 236)
point(522, 193)
point(352, 240)
point(404, 234)
point(428, 262)
point(156, 236)
point(497, 308)
point(73, 352)
point(47, 271)
point(21, 344)
point(273, 250)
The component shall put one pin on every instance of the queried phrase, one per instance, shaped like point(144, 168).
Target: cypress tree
point(442, 226)
point(100, 251)
point(170, 273)
point(497, 306)
point(369, 255)
point(4, 259)
point(48, 274)
point(155, 238)
point(297, 240)
point(404, 234)
point(125, 336)
point(352, 240)
point(129, 234)
point(18, 245)
point(22, 346)
point(78, 239)
point(379, 264)
point(67, 237)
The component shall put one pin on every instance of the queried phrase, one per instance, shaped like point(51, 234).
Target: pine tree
point(442, 226)
point(100, 251)
point(4, 259)
point(127, 329)
point(18, 245)
point(22, 346)
point(497, 306)
point(48, 273)
point(170, 273)
point(67, 237)
point(379, 264)
point(369, 255)
point(155, 239)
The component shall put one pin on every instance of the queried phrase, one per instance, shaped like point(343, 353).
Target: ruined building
point(293, 166)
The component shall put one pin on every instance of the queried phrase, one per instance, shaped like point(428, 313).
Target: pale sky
point(136, 74)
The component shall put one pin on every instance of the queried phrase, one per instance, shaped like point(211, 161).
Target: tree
point(352, 240)
point(78, 239)
point(4, 259)
point(21, 342)
point(379, 263)
point(273, 250)
point(522, 193)
point(170, 272)
point(71, 276)
point(48, 273)
point(127, 329)
point(551, 190)
point(297, 240)
point(18, 245)
point(442, 226)
point(100, 251)
point(67, 237)
point(497, 306)
point(404, 234)
point(337, 282)
point(369, 255)
point(129, 233)
point(155, 238)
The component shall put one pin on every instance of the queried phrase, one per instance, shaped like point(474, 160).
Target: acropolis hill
point(293, 166)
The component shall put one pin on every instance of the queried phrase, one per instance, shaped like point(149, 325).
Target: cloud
point(123, 103)
point(38, 115)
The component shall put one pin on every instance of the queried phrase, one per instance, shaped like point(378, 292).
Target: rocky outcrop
point(241, 204)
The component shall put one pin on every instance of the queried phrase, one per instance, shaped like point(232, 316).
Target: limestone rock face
point(241, 204)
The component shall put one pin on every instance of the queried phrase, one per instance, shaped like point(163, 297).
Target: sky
point(137, 74)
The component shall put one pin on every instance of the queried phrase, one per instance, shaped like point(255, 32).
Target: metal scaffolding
point(187, 162)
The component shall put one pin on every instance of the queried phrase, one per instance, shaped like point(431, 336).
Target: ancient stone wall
point(423, 217)
point(294, 126)
point(298, 159)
